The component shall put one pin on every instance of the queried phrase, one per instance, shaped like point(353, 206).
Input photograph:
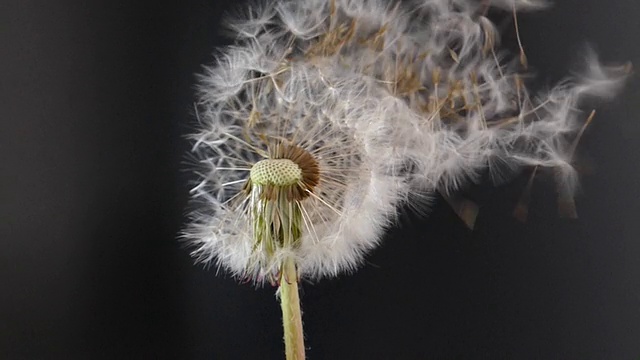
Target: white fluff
point(408, 98)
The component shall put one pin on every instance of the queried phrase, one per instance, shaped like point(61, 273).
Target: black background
point(95, 98)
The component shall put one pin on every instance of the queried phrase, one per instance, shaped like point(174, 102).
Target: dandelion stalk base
point(291, 314)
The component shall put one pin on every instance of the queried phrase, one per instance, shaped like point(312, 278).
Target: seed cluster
point(325, 115)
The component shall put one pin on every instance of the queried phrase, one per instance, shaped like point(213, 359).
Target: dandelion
point(327, 114)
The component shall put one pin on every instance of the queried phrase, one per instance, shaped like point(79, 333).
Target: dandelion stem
point(291, 314)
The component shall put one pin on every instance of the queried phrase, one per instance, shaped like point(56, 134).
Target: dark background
point(95, 98)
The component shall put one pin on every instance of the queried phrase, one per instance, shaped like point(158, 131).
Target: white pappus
point(361, 103)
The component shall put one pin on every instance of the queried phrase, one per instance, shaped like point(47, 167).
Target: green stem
point(291, 314)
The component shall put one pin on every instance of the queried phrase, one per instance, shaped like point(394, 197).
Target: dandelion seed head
point(333, 112)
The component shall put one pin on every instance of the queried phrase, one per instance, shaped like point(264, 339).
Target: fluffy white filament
point(392, 98)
